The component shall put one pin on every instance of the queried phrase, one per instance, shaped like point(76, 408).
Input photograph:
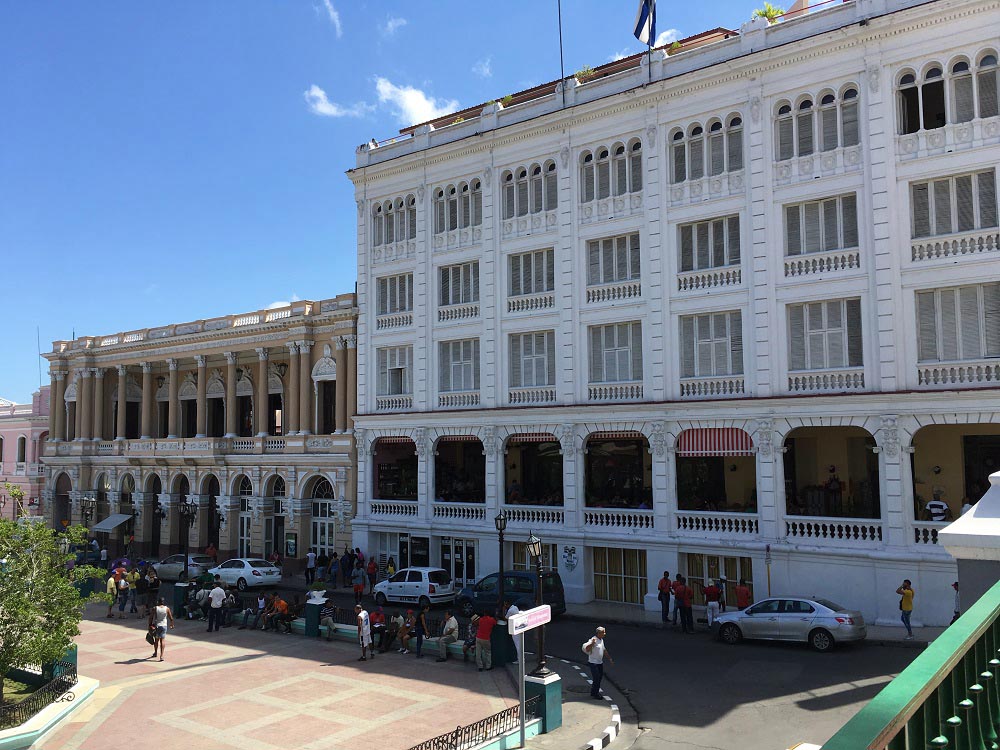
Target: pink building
point(23, 431)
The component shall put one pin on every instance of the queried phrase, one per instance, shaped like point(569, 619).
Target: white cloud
point(282, 303)
point(667, 37)
point(484, 68)
point(620, 55)
point(392, 25)
point(412, 105)
point(334, 17)
point(319, 104)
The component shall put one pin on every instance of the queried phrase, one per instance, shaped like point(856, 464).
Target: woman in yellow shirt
point(906, 606)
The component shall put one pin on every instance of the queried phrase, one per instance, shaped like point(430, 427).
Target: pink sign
point(529, 619)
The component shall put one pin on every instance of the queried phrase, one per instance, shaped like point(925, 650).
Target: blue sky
point(165, 162)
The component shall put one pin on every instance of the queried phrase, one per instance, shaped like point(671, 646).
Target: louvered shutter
point(811, 227)
point(835, 338)
point(855, 338)
point(970, 322)
point(965, 108)
point(703, 331)
point(804, 122)
point(786, 149)
point(475, 364)
point(515, 361)
point(522, 197)
point(607, 261)
point(475, 281)
point(687, 248)
point(621, 259)
point(735, 144)
point(831, 240)
point(508, 200)
point(828, 124)
point(377, 230)
point(736, 341)
point(849, 124)
point(551, 191)
point(550, 358)
point(466, 210)
point(394, 302)
point(987, 81)
point(636, 346)
point(465, 272)
point(849, 220)
point(594, 263)
point(733, 240)
point(942, 207)
point(964, 203)
point(986, 182)
point(920, 198)
point(687, 347)
point(717, 154)
point(477, 208)
point(815, 336)
point(439, 216)
point(796, 338)
point(718, 243)
point(635, 171)
point(991, 318)
point(621, 174)
point(550, 270)
point(588, 183)
point(927, 346)
point(633, 259)
point(603, 179)
point(536, 194)
point(382, 364)
point(949, 325)
point(411, 223)
point(515, 275)
point(409, 291)
point(697, 158)
point(701, 230)
point(444, 370)
point(383, 290)
point(680, 163)
point(446, 286)
point(793, 230)
point(720, 344)
point(596, 354)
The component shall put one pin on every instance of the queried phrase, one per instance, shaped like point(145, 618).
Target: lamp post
point(88, 506)
point(535, 550)
point(189, 512)
point(501, 524)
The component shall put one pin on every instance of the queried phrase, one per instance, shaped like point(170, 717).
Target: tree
point(40, 608)
point(770, 12)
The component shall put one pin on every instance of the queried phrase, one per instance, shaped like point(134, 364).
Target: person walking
point(663, 594)
point(958, 604)
point(365, 633)
point(484, 646)
point(372, 571)
point(685, 594)
point(358, 579)
point(123, 595)
point(421, 628)
point(713, 594)
point(310, 567)
point(159, 618)
point(597, 652)
point(906, 606)
point(216, 600)
point(449, 634)
point(111, 589)
point(743, 596)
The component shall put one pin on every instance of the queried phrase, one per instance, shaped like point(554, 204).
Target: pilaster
point(351, 377)
point(340, 408)
point(231, 410)
point(260, 407)
point(147, 400)
point(98, 430)
point(201, 407)
point(173, 403)
point(305, 388)
point(292, 398)
point(120, 420)
point(85, 403)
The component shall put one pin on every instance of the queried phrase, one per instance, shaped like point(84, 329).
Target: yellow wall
point(941, 445)
point(740, 483)
point(818, 448)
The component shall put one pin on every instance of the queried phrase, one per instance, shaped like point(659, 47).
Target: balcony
point(200, 447)
point(621, 291)
point(606, 518)
point(729, 525)
point(828, 262)
point(525, 226)
point(969, 374)
point(615, 207)
point(459, 512)
point(719, 387)
point(393, 320)
point(454, 313)
point(707, 188)
point(531, 302)
point(458, 400)
point(827, 381)
point(614, 392)
point(398, 402)
point(926, 532)
point(393, 509)
point(821, 164)
point(834, 532)
point(531, 396)
point(532, 516)
point(20, 469)
point(960, 136)
point(955, 245)
point(712, 278)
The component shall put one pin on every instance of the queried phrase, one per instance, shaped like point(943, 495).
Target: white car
point(172, 568)
point(247, 572)
point(419, 585)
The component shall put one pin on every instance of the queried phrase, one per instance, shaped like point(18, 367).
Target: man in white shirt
point(511, 609)
point(364, 632)
point(216, 598)
point(596, 653)
point(310, 567)
point(449, 634)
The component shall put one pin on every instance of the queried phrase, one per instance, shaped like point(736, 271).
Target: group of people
point(132, 587)
point(271, 612)
point(342, 570)
point(676, 599)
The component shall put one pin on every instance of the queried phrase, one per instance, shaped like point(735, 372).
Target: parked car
point(172, 568)
point(818, 622)
point(519, 586)
point(247, 572)
point(419, 585)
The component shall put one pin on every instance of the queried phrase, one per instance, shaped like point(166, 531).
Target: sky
point(167, 162)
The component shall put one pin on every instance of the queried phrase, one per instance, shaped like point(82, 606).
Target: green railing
point(947, 698)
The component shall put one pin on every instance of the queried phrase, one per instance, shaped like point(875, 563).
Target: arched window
point(390, 223)
point(324, 521)
point(804, 138)
point(587, 176)
point(323, 490)
point(723, 150)
point(278, 487)
point(986, 85)
point(849, 131)
point(635, 166)
point(440, 211)
point(963, 98)
point(734, 144)
point(680, 157)
point(607, 171)
point(542, 188)
point(830, 124)
point(22, 445)
point(785, 131)
point(922, 102)
point(378, 225)
point(696, 152)
point(411, 217)
point(457, 207)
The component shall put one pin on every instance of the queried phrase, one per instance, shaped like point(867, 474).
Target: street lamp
point(534, 546)
point(189, 512)
point(501, 524)
point(88, 506)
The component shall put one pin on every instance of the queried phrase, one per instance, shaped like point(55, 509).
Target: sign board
point(529, 619)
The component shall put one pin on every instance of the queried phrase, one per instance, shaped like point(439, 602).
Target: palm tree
point(770, 12)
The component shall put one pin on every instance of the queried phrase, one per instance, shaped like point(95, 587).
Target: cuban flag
point(645, 22)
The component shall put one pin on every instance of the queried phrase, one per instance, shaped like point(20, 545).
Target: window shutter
point(816, 340)
point(439, 216)
point(697, 158)
point(687, 347)
point(409, 291)
point(394, 301)
point(588, 183)
point(444, 370)
point(785, 148)
point(680, 163)
point(475, 281)
point(550, 270)
point(964, 203)
point(793, 230)
point(635, 172)
point(969, 324)
point(607, 261)
point(466, 210)
point(927, 348)
point(515, 275)
point(377, 231)
point(987, 199)
point(551, 191)
point(987, 81)
point(734, 140)
point(446, 285)
point(621, 259)
point(849, 124)
point(855, 339)
point(796, 338)
point(828, 124)
point(717, 154)
point(411, 223)
point(687, 248)
point(733, 240)
point(515, 361)
point(831, 240)
point(522, 197)
point(383, 290)
point(849, 220)
point(508, 200)
point(550, 358)
point(477, 208)
point(812, 227)
point(636, 344)
point(920, 198)
point(805, 139)
point(703, 334)
point(949, 325)
point(718, 243)
point(596, 354)
point(383, 372)
point(633, 256)
point(835, 339)
point(991, 318)
point(475, 364)
point(720, 344)
point(702, 249)
point(621, 175)
point(407, 365)
point(965, 108)
point(594, 264)
point(536, 194)
point(942, 207)
point(603, 179)
point(465, 272)
point(736, 341)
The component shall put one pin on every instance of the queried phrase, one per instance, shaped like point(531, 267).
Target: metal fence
point(59, 688)
point(483, 730)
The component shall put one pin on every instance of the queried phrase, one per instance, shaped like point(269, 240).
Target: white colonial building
point(732, 311)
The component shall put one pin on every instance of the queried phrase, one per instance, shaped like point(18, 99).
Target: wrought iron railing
point(948, 697)
point(483, 730)
point(59, 688)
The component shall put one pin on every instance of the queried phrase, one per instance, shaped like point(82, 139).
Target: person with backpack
point(123, 595)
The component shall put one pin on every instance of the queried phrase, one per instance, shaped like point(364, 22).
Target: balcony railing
point(460, 511)
point(926, 532)
point(528, 396)
point(959, 136)
point(452, 313)
point(712, 387)
point(531, 302)
point(850, 532)
point(534, 516)
point(463, 399)
point(198, 447)
point(393, 320)
point(20, 469)
point(615, 391)
point(698, 523)
point(827, 380)
point(976, 373)
point(814, 263)
point(394, 403)
point(400, 508)
point(946, 698)
point(710, 278)
point(617, 292)
point(607, 518)
point(955, 245)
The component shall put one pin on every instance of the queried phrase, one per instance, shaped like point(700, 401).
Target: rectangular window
point(961, 323)
point(962, 203)
point(532, 273)
point(819, 226)
point(616, 353)
point(613, 259)
point(620, 575)
point(395, 293)
point(394, 370)
point(532, 359)
point(710, 244)
point(712, 344)
point(459, 365)
point(825, 335)
point(459, 284)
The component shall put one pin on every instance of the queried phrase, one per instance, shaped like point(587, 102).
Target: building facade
point(247, 416)
point(730, 311)
point(23, 432)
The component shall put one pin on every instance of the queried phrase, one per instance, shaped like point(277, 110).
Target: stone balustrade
point(958, 245)
point(699, 523)
point(837, 532)
point(974, 373)
point(617, 292)
point(828, 262)
point(711, 278)
point(531, 302)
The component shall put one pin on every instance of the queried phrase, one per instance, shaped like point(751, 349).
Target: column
point(291, 404)
point(260, 408)
point(305, 389)
point(85, 403)
point(201, 421)
point(231, 424)
point(352, 380)
point(198, 533)
point(57, 406)
point(98, 404)
point(77, 412)
point(122, 402)
point(172, 402)
point(340, 410)
point(53, 395)
point(147, 400)
point(770, 462)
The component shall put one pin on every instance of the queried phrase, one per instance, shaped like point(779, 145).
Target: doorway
point(458, 557)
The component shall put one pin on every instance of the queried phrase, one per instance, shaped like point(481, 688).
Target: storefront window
point(619, 575)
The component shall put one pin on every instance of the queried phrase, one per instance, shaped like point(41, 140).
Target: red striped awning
point(457, 438)
point(394, 439)
point(714, 441)
point(533, 437)
point(621, 435)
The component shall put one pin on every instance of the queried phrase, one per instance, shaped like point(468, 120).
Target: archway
point(394, 469)
point(716, 470)
point(831, 472)
point(154, 488)
point(951, 468)
point(533, 470)
point(618, 471)
point(459, 470)
point(60, 507)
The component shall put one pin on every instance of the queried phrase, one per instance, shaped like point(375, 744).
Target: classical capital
point(59, 375)
point(122, 370)
point(86, 372)
point(351, 341)
point(305, 346)
point(172, 364)
point(200, 360)
point(147, 367)
point(231, 358)
point(293, 348)
point(99, 372)
point(340, 343)
point(261, 353)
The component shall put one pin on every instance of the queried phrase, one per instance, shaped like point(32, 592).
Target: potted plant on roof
point(771, 12)
point(584, 74)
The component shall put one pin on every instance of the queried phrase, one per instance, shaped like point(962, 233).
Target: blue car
point(519, 587)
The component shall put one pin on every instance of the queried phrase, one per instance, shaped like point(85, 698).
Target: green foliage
point(457, 120)
point(674, 48)
point(505, 101)
point(15, 493)
point(770, 12)
point(40, 608)
point(584, 74)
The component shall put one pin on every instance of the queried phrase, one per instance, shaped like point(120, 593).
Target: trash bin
point(180, 595)
point(503, 645)
point(313, 607)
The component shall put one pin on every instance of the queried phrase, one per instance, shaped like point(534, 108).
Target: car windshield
point(830, 605)
point(439, 577)
point(260, 564)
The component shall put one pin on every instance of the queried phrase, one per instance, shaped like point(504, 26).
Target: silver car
point(172, 568)
point(818, 622)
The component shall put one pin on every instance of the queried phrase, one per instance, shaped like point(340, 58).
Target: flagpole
point(562, 69)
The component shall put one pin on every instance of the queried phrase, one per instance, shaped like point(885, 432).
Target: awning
point(532, 437)
point(111, 523)
point(393, 439)
point(714, 441)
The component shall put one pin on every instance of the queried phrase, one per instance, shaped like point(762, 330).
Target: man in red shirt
point(377, 620)
point(677, 587)
point(484, 647)
point(743, 595)
point(684, 594)
point(663, 594)
point(712, 595)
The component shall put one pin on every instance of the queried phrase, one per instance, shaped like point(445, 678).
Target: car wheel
point(424, 602)
point(467, 609)
point(380, 599)
point(821, 640)
point(730, 634)
point(242, 584)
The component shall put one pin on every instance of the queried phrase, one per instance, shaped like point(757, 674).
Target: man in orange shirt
point(279, 608)
point(743, 595)
point(663, 594)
